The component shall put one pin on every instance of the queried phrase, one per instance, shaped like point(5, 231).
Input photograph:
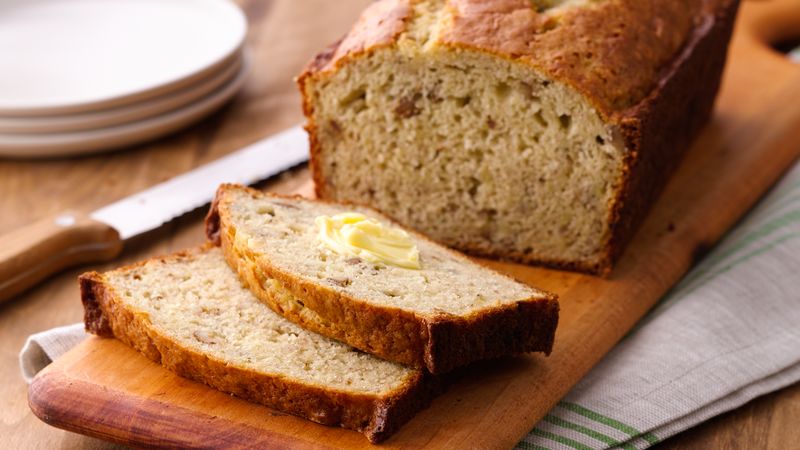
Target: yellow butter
point(354, 234)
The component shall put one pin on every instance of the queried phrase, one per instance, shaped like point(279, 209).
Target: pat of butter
point(354, 234)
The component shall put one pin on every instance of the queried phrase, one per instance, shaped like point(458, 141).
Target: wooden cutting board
point(104, 389)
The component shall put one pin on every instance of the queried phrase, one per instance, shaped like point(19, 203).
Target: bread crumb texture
point(282, 234)
point(490, 125)
point(199, 303)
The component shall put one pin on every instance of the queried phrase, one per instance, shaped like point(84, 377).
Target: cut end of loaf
point(536, 131)
point(481, 153)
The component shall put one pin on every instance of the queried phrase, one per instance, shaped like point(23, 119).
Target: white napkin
point(727, 333)
point(43, 348)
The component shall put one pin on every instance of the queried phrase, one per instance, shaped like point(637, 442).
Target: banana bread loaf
point(533, 130)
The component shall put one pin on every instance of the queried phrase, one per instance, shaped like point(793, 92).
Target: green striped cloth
point(727, 333)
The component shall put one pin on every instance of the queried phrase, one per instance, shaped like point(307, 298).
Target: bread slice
point(450, 312)
point(190, 313)
point(538, 131)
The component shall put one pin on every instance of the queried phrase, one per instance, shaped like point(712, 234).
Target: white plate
point(103, 139)
point(64, 56)
point(121, 114)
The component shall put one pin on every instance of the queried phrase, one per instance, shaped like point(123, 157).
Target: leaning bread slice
point(190, 313)
point(444, 314)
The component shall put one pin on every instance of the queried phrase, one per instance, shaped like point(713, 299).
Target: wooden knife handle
point(34, 252)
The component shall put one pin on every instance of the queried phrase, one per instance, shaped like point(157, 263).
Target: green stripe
point(761, 215)
point(702, 274)
point(587, 431)
point(674, 297)
point(561, 439)
point(525, 445)
point(707, 273)
point(778, 204)
point(778, 193)
point(599, 418)
point(788, 188)
point(762, 231)
point(713, 262)
point(743, 259)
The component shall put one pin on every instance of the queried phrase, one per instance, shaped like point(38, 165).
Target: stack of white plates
point(80, 76)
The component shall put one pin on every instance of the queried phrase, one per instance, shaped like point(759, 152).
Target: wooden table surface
point(283, 35)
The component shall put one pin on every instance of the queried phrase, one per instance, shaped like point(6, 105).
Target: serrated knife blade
point(149, 209)
point(30, 254)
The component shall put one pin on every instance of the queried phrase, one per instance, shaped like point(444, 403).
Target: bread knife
point(34, 252)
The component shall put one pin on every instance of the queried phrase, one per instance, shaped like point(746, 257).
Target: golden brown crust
point(376, 416)
point(440, 344)
point(612, 51)
point(380, 24)
point(390, 334)
point(652, 69)
point(659, 129)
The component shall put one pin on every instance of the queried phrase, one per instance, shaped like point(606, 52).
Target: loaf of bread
point(190, 313)
point(445, 313)
point(533, 130)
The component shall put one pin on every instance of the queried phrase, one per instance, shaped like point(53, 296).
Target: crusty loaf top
point(611, 50)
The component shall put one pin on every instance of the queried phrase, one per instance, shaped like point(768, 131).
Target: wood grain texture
point(30, 254)
point(722, 176)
